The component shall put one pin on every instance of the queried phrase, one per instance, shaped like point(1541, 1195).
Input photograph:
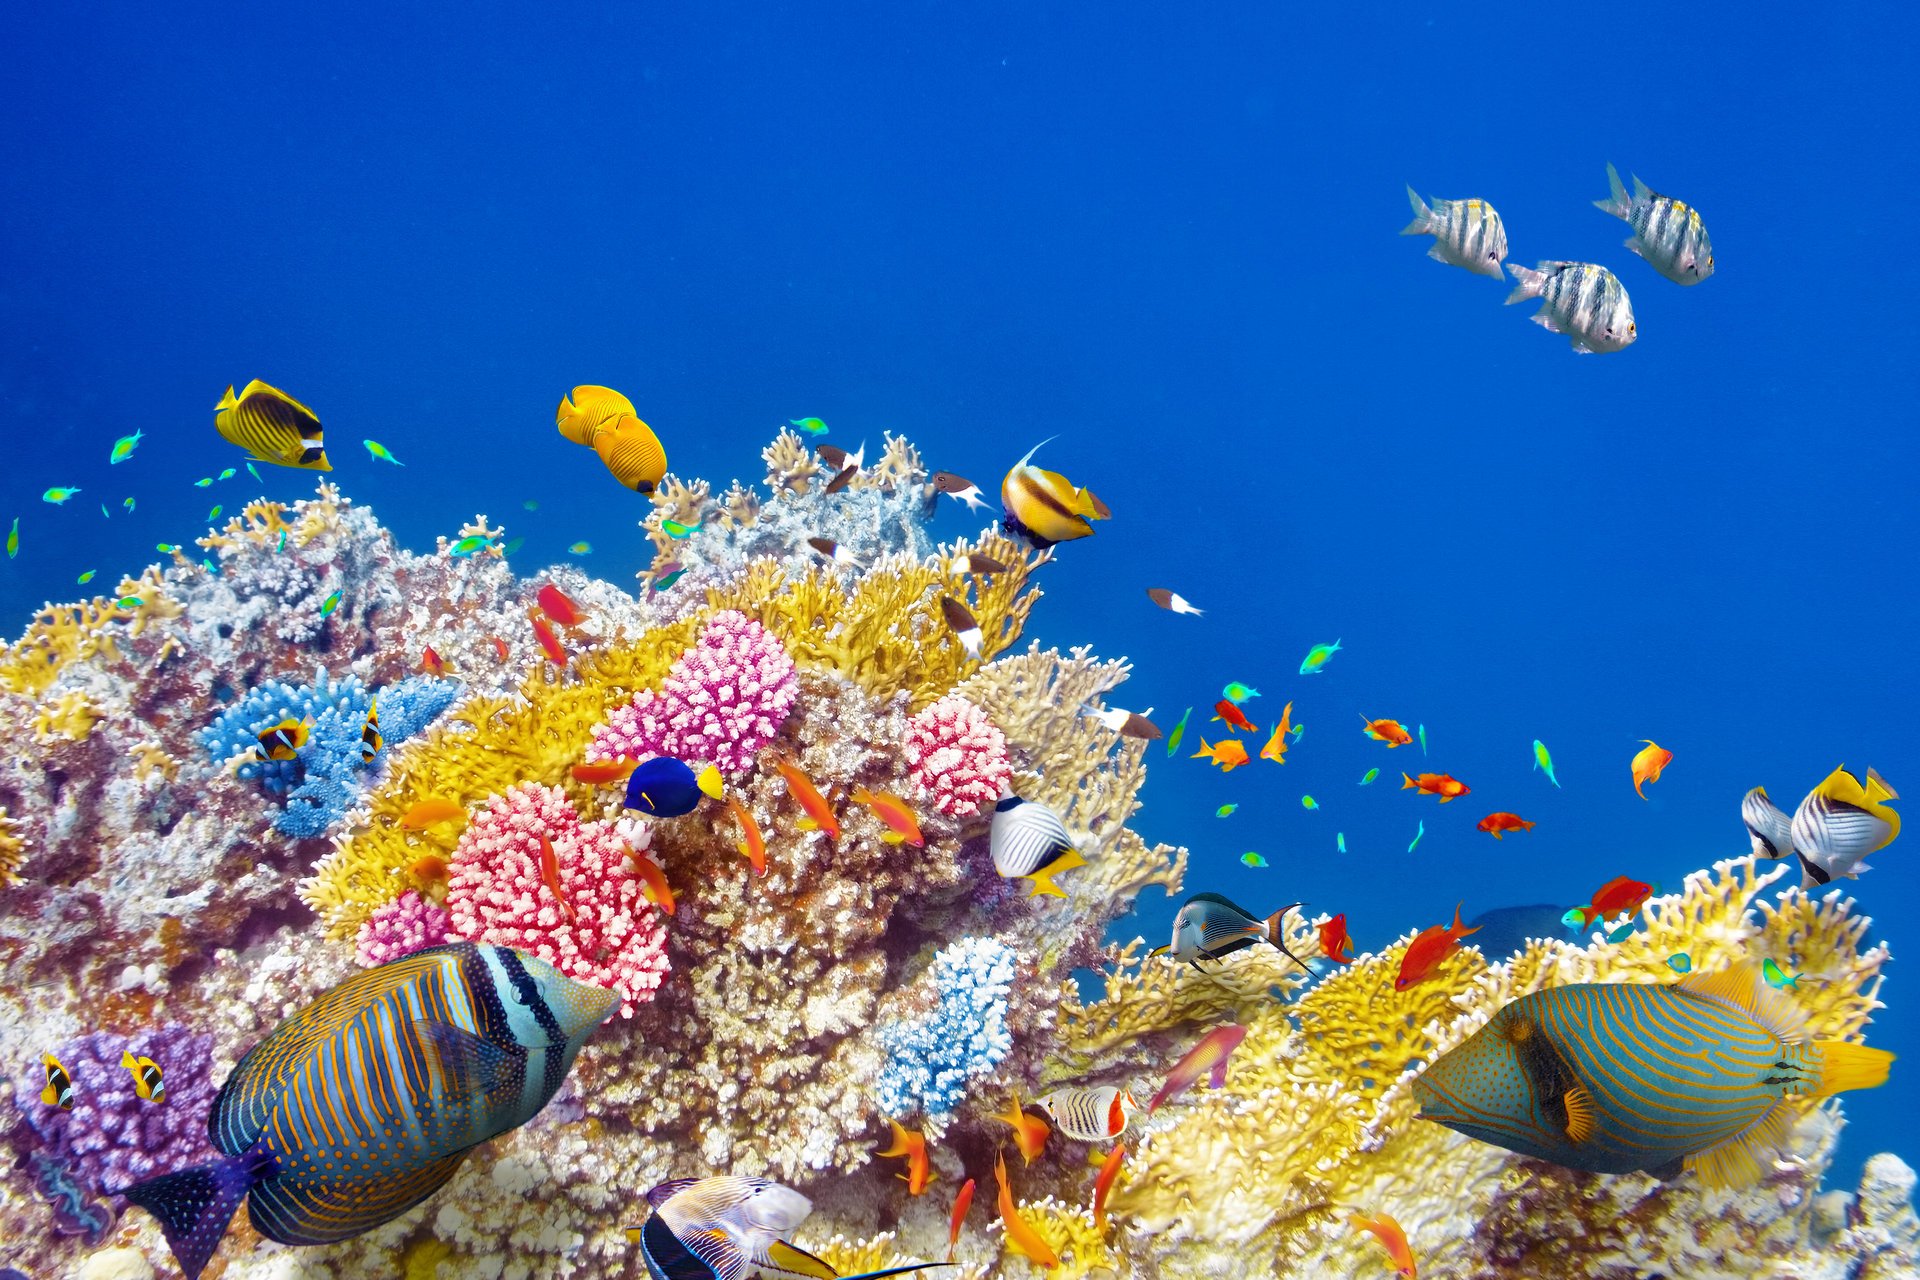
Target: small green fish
point(812, 426)
point(87, 576)
point(471, 543)
point(513, 545)
point(1308, 802)
point(228, 474)
point(1416, 835)
point(379, 451)
point(1340, 841)
point(1225, 810)
point(128, 504)
point(1776, 977)
point(253, 473)
point(1298, 731)
point(1237, 693)
point(1179, 730)
point(331, 603)
point(13, 539)
point(203, 482)
point(1575, 919)
point(531, 505)
point(214, 512)
point(1252, 859)
point(130, 602)
point(57, 495)
point(1543, 759)
point(1371, 775)
point(1423, 739)
point(674, 529)
point(105, 512)
point(283, 543)
point(209, 566)
point(1317, 658)
point(123, 447)
point(165, 548)
point(581, 548)
point(1620, 934)
point(666, 580)
point(1680, 962)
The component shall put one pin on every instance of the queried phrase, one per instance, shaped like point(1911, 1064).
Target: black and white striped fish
point(1090, 1115)
point(1768, 825)
point(1580, 299)
point(1030, 842)
point(272, 425)
point(730, 1228)
point(1839, 823)
point(1466, 233)
point(370, 739)
point(1668, 233)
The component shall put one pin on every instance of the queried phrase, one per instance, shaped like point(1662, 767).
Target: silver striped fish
point(1668, 233)
point(728, 1228)
point(273, 426)
point(1208, 926)
point(1090, 1115)
point(363, 1104)
point(1580, 299)
point(1028, 841)
point(1768, 825)
point(1620, 1078)
point(1839, 823)
point(1466, 233)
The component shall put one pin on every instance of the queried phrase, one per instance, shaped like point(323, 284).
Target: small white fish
point(961, 488)
point(965, 629)
point(1129, 724)
point(1770, 829)
point(1172, 601)
point(1580, 299)
point(1668, 233)
point(1466, 233)
point(1839, 823)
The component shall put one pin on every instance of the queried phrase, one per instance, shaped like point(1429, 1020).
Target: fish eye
point(1633, 329)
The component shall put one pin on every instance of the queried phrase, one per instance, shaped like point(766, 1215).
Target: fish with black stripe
point(1583, 300)
point(1839, 823)
point(1208, 926)
point(1466, 233)
point(364, 1103)
point(1668, 233)
point(1045, 507)
point(1029, 842)
point(728, 1228)
point(370, 739)
point(1703, 1075)
point(272, 426)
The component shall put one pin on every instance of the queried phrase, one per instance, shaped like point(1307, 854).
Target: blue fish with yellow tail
point(664, 787)
point(1701, 1074)
point(364, 1103)
point(728, 1228)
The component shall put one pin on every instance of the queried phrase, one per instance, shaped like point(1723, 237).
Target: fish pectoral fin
point(468, 1065)
point(1669, 1171)
point(1579, 1104)
point(891, 836)
point(798, 1261)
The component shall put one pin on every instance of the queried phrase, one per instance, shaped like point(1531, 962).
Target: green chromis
point(1340, 841)
point(1317, 658)
point(378, 450)
point(165, 548)
point(255, 474)
point(1236, 693)
point(1251, 859)
point(1620, 934)
point(581, 549)
point(227, 474)
point(86, 577)
point(331, 603)
point(1776, 977)
point(513, 545)
point(1423, 739)
point(282, 546)
point(130, 602)
point(1179, 730)
point(128, 504)
point(1308, 802)
point(812, 426)
point(1370, 776)
point(666, 580)
point(674, 529)
point(213, 513)
point(470, 544)
point(123, 447)
point(203, 482)
point(1416, 835)
point(58, 495)
point(1225, 810)
point(531, 505)
point(1543, 760)
point(1680, 962)
point(13, 539)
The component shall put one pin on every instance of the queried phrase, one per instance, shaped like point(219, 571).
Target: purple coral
point(400, 928)
point(724, 699)
point(113, 1137)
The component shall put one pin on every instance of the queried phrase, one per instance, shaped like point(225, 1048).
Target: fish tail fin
point(1845, 1065)
point(710, 782)
point(1422, 215)
point(1528, 283)
point(1042, 879)
point(1616, 202)
point(194, 1207)
point(1409, 781)
point(1458, 932)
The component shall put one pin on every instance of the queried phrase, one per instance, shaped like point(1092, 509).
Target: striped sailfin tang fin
point(318, 1211)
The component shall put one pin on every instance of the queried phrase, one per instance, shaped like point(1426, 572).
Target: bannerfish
point(1207, 1058)
point(1700, 1074)
point(1391, 732)
point(911, 1146)
point(58, 1091)
point(272, 426)
point(1444, 785)
point(1392, 1237)
point(1666, 232)
point(1581, 300)
point(818, 815)
point(1768, 826)
point(960, 488)
point(1317, 658)
point(1429, 948)
point(902, 825)
point(1090, 1115)
point(664, 787)
point(365, 1102)
point(1208, 926)
point(1543, 760)
point(1839, 823)
point(961, 622)
point(281, 741)
point(1466, 233)
point(1618, 896)
point(1498, 824)
point(1647, 764)
point(1028, 841)
point(1172, 601)
point(1045, 507)
point(370, 739)
point(1227, 710)
point(1229, 754)
point(147, 1080)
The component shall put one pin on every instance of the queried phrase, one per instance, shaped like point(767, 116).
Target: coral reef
point(931, 1059)
point(402, 927)
point(957, 758)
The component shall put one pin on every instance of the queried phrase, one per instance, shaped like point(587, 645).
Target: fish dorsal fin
point(1029, 458)
point(227, 401)
point(668, 1190)
point(1877, 788)
point(1579, 1104)
point(1223, 901)
point(1741, 986)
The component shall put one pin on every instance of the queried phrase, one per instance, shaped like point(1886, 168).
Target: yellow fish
point(1045, 507)
point(1276, 748)
point(146, 1077)
point(583, 414)
point(633, 453)
point(1229, 754)
point(273, 426)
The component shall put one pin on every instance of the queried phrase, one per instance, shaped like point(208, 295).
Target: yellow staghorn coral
point(791, 465)
point(739, 507)
point(58, 635)
point(71, 717)
point(898, 466)
point(149, 759)
point(674, 499)
point(13, 850)
point(260, 523)
point(154, 602)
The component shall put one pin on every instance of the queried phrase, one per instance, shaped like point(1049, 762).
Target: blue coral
point(931, 1059)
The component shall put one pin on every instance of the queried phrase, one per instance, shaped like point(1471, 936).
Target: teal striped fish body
point(1582, 300)
point(1466, 233)
point(364, 1103)
point(1668, 233)
point(1622, 1078)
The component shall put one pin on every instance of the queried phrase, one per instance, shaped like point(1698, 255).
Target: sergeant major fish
point(1580, 299)
point(1466, 233)
point(1666, 232)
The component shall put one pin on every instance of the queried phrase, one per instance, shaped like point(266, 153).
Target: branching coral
point(13, 850)
point(400, 928)
point(932, 1059)
point(70, 716)
point(791, 465)
point(957, 757)
point(58, 635)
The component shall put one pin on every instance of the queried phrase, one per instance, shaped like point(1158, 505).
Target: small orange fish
point(1647, 765)
point(896, 813)
point(1444, 785)
point(432, 663)
point(1207, 1058)
point(1618, 896)
point(550, 876)
point(1234, 716)
point(752, 845)
point(1030, 1133)
point(500, 648)
point(820, 815)
point(1334, 942)
point(1229, 754)
point(598, 773)
point(1497, 824)
point(430, 867)
point(1276, 748)
point(1399, 1253)
point(1103, 1185)
point(1391, 732)
point(559, 606)
point(549, 642)
point(1020, 1232)
point(914, 1147)
point(962, 1202)
point(431, 812)
point(653, 878)
point(1431, 946)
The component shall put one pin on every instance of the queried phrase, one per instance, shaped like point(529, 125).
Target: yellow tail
point(1844, 1066)
point(1409, 781)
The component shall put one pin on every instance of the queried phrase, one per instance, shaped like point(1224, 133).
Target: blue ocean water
point(1166, 238)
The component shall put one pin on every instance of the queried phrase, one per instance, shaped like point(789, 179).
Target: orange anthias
point(1444, 785)
point(820, 815)
point(598, 773)
point(1103, 1185)
point(1334, 942)
point(658, 891)
point(429, 812)
point(962, 1202)
point(1235, 718)
point(1648, 763)
point(550, 876)
point(1208, 1058)
point(1229, 755)
point(432, 663)
point(896, 813)
point(559, 606)
point(1391, 732)
point(914, 1147)
point(1391, 1237)
point(1425, 953)
point(1618, 896)
point(752, 845)
point(1020, 1232)
point(1030, 1133)
point(549, 642)
point(500, 648)
point(1276, 748)
point(1498, 824)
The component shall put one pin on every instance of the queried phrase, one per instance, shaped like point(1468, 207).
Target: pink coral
point(602, 930)
point(724, 699)
point(957, 757)
point(407, 924)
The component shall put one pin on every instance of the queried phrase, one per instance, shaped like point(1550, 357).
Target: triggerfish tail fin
point(711, 783)
point(1616, 202)
point(195, 1205)
point(1845, 1065)
point(1042, 877)
point(1422, 215)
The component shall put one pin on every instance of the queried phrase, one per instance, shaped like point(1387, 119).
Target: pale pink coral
point(604, 932)
point(402, 927)
point(724, 699)
point(957, 757)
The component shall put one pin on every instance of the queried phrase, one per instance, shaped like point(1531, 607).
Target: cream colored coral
point(13, 850)
point(70, 717)
point(791, 465)
point(898, 466)
point(739, 507)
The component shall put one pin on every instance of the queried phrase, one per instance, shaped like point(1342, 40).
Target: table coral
point(957, 757)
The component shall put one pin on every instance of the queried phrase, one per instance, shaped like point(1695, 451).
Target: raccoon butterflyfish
point(272, 426)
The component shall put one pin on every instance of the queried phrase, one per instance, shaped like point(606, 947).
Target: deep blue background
point(1168, 239)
